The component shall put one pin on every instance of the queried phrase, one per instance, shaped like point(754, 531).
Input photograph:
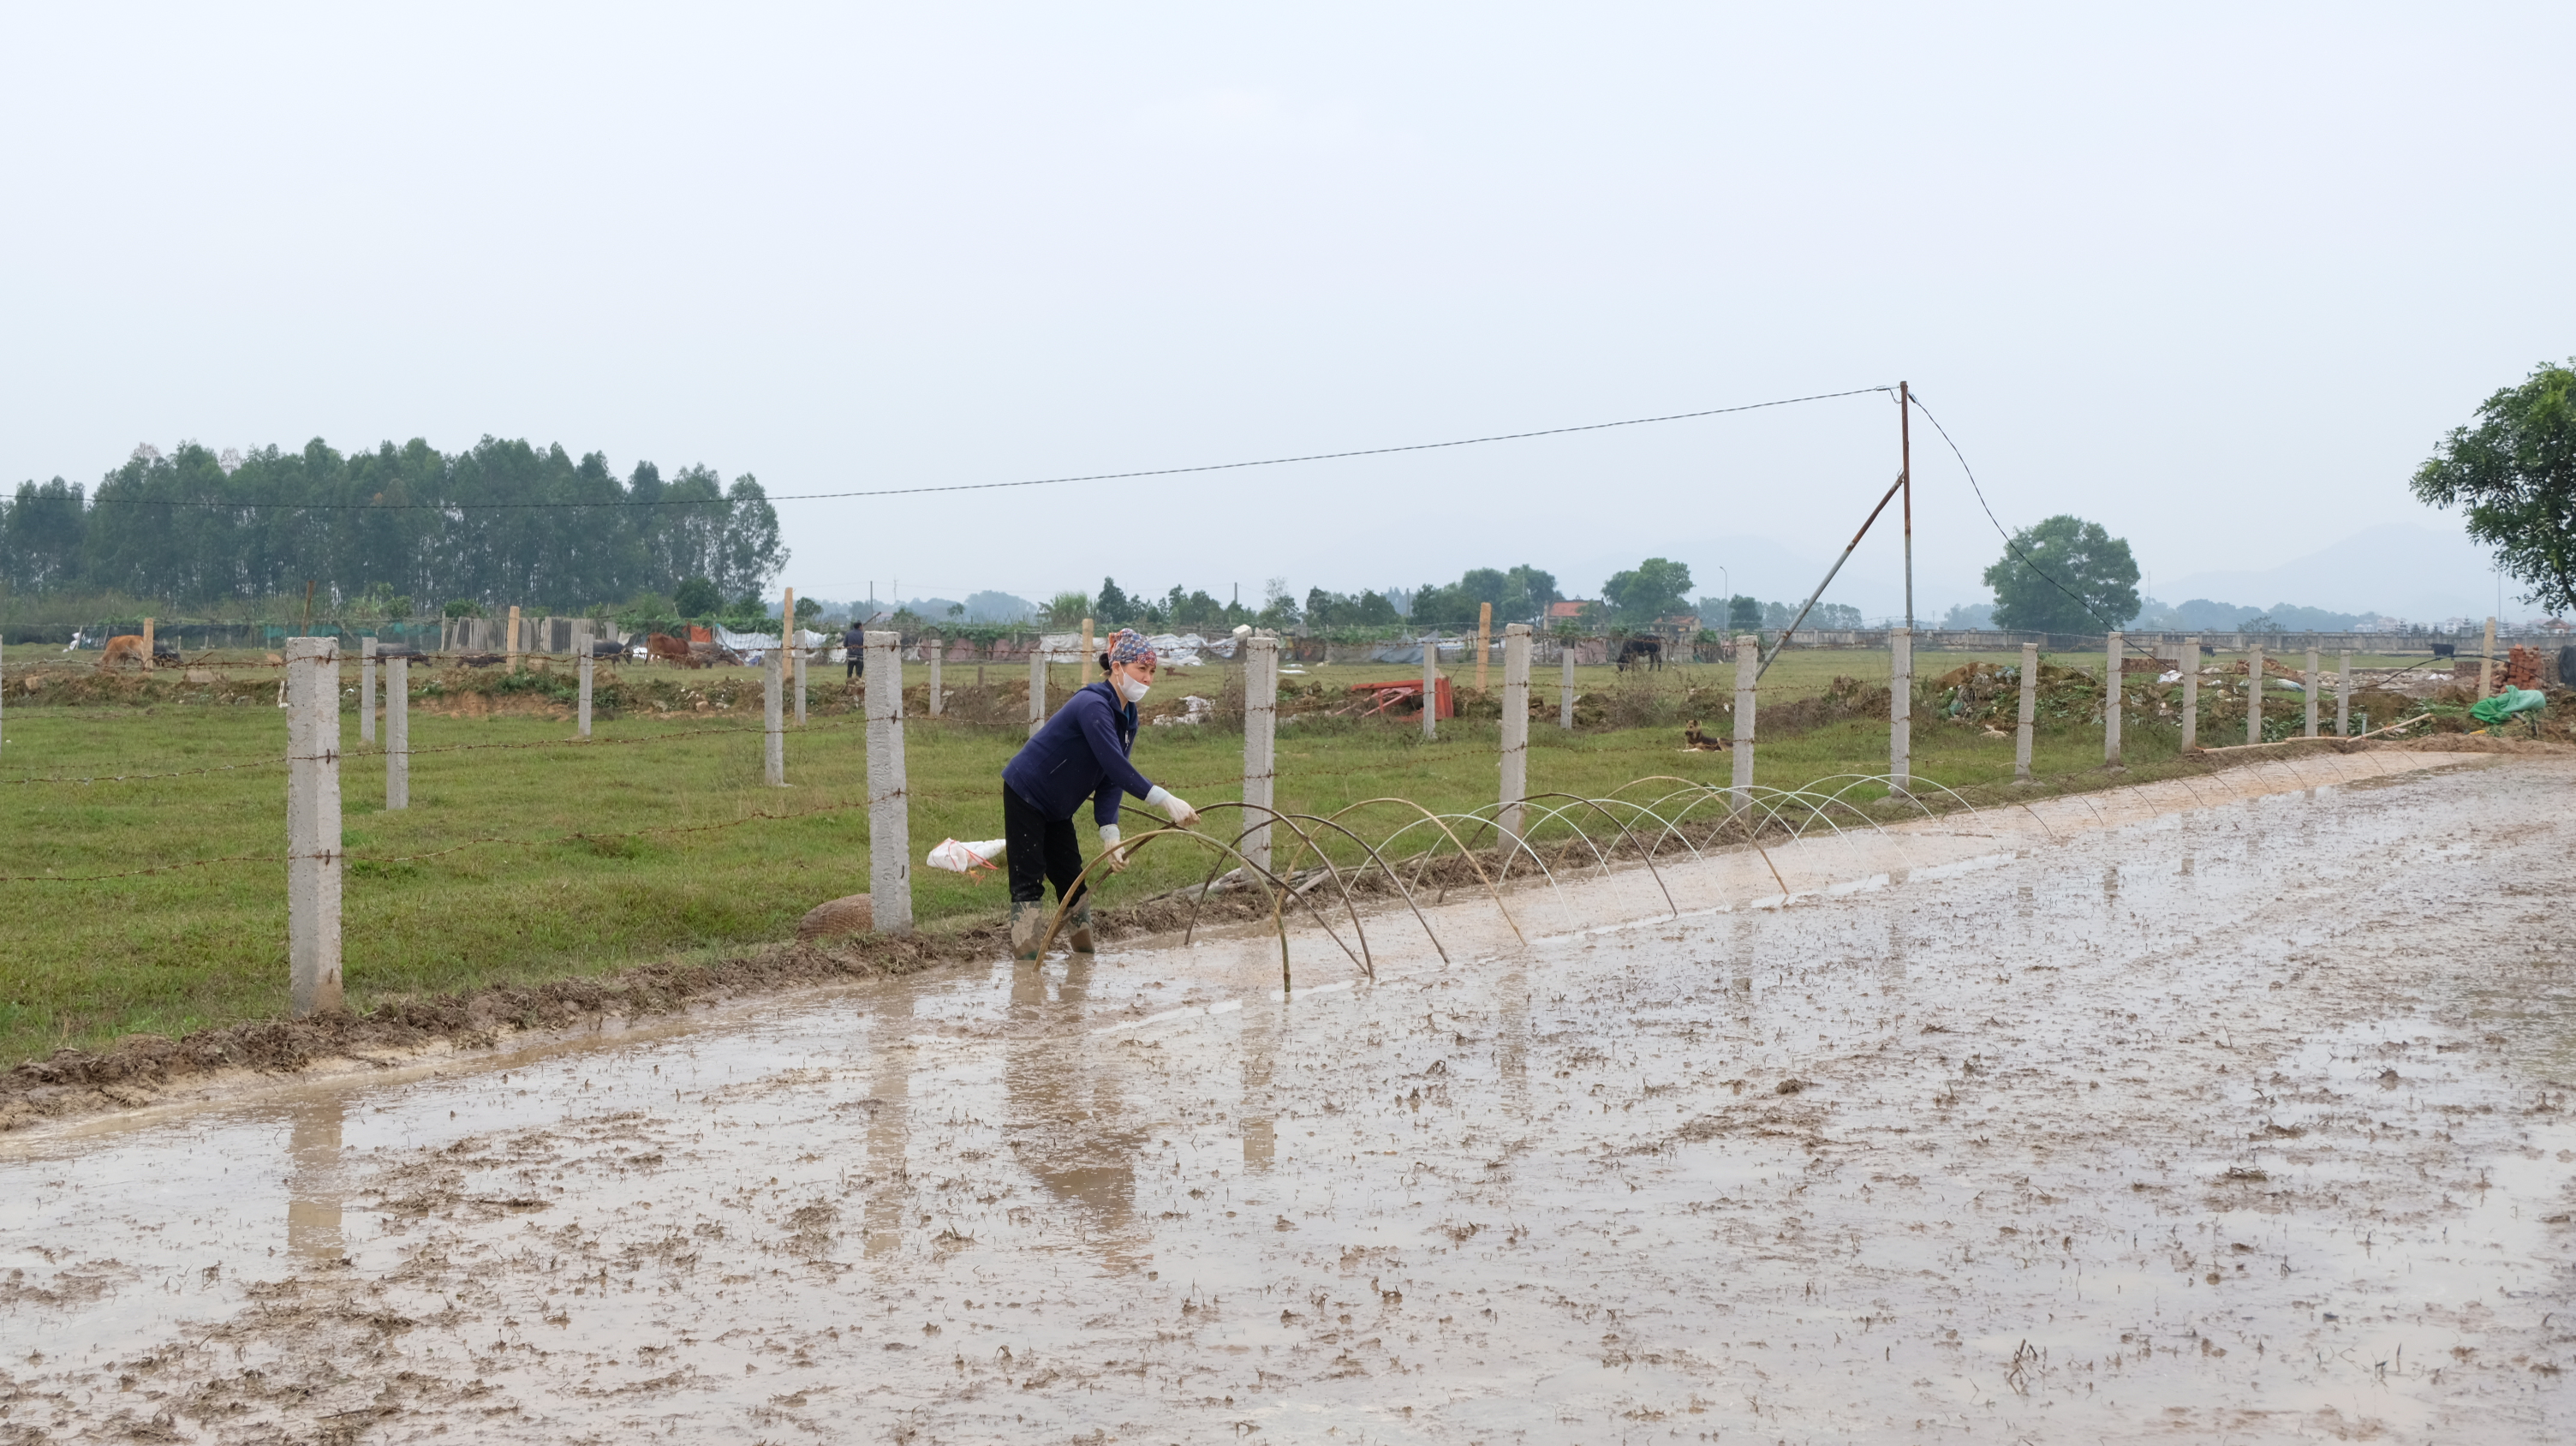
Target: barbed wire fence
point(1381, 847)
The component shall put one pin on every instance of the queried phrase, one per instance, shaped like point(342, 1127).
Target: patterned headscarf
point(1125, 646)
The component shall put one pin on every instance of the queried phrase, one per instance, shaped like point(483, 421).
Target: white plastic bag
point(966, 858)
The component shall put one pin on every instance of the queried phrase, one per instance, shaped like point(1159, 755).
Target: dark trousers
point(858, 666)
point(1041, 849)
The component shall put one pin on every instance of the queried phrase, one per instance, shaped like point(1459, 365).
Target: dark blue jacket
point(1080, 753)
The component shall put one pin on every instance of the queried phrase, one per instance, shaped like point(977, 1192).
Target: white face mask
point(1131, 690)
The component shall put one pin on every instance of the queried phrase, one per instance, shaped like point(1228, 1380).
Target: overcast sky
point(2217, 277)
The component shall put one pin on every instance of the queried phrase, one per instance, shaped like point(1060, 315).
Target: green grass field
point(527, 855)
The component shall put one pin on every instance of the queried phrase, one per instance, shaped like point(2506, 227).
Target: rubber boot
point(1028, 926)
point(1078, 928)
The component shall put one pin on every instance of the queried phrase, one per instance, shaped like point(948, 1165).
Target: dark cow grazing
point(1647, 653)
point(607, 648)
point(2446, 650)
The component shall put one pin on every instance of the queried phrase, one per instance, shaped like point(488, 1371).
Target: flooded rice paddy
point(2227, 1110)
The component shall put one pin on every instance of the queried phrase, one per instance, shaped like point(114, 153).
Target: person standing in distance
point(854, 643)
point(1080, 753)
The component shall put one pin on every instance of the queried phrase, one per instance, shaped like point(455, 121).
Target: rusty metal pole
point(1905, 472)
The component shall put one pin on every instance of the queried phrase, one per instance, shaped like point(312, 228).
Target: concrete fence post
point(1900, 711)
point(313, 823)
point(510, 644)
point(147, 645)
point(2315, 680)
point(1748, 667)
point(800, 680)
point(2029, 712)
point(588, 664)
point(2343, 697)
point(2190, 693)
point(2486, 662)
point(2114, 693)
point(932, 648)
point(1515, 761)
point(366, 690)
point(1260, 734)
point(889, 802)
point(397, 732)
point(1037, 686)
point(1430, 686)
point(773, 726)
point(2254, 693)
point(1484, 640)
point(1565, 686)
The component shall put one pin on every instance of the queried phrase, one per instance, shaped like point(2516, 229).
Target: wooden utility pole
point(1484, 640)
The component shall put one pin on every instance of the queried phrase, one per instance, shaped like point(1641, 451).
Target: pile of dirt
point(1843, 698)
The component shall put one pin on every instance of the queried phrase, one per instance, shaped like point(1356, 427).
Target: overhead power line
point(2010, 545)
point(995, 486)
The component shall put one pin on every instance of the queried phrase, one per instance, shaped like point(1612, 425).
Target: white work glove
point(1173, 807)
point(1110, 850)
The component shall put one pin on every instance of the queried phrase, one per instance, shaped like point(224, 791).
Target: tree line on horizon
point(397, 523)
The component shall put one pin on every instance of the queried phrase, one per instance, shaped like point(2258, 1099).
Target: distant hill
point(2415, 573)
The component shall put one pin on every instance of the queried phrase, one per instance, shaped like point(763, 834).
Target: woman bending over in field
point(1080, 753)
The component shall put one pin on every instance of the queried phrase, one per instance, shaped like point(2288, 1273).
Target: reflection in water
point(1730, 931)
point(313, 1184)
point(1891, 969)
point(889, 1140)
point(1511, 1039)
point(1260, 1057)
point(1064, 1105)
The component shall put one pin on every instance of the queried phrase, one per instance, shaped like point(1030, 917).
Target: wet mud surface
point(2198, 1111)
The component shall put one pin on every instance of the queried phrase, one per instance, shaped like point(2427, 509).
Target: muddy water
point(2222, 1111)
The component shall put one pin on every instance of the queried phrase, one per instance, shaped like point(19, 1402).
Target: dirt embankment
point(140, 1069)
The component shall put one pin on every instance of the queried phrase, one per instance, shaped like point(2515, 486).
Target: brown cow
point(128, 646)
point(668, 649)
